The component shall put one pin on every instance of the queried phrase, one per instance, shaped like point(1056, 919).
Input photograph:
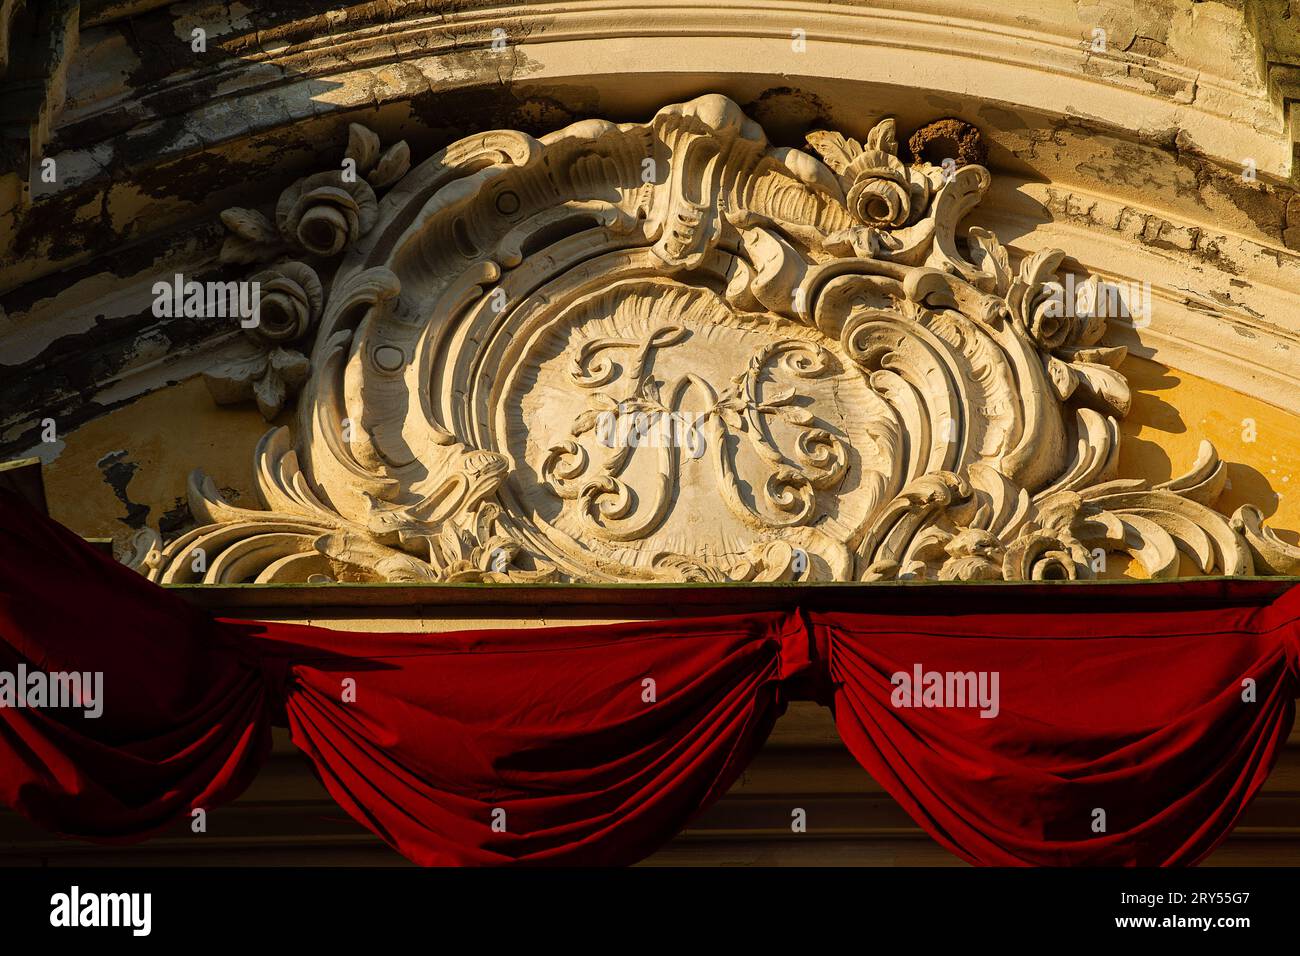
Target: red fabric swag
point(1137, 713)
point(184, 720)
point(595, 745)
point(590, 745)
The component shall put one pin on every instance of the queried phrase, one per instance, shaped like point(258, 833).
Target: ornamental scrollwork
point(650, 419)
point(853, 389)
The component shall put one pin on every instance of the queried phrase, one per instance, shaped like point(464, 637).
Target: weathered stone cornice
point(1222, 304)
point(38, 41)
point(1275, 25)
point(1121, 87)
point(1132, 155)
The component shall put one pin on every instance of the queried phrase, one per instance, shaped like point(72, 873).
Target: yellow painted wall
point(165, 435)
point(1172, 412)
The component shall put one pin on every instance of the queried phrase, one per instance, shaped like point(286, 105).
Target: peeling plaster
point(216, 18)
point(118, 472)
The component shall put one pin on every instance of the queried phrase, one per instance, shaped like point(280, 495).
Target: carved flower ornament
point(880, 190)
point(322, 214)
point(872, 392)
point(290, 299)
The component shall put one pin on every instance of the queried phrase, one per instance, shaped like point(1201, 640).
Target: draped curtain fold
point(584, 745)
point(1120, 738)
point(183, 722)
point(1118, 724)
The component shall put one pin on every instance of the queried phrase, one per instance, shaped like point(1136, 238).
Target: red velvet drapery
point(1046, 725)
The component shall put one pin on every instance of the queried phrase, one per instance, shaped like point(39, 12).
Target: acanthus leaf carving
point(852, 390)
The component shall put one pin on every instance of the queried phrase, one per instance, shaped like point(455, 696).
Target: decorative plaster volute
point(822, 378)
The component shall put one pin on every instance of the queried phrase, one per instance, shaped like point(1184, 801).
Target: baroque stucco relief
point(854, 390)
